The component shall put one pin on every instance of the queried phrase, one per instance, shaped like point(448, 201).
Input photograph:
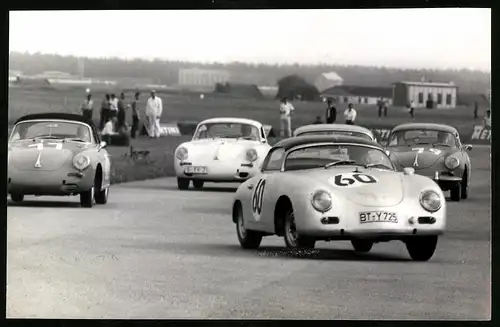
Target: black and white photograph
point(319, 164)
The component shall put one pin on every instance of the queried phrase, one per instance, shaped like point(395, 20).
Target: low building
point(425, 94)
point(364, 95)
point(202, 77)
point(328, 80)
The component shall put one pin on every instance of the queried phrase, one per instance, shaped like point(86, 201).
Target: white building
point(443, 95)
point(202, 77)
point(328, 80)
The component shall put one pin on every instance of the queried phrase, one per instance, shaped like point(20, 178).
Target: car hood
point(388, 189)
point(53, 154)
point(222, 149)
point(405, 156)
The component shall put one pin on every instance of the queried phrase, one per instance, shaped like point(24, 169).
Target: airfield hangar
point(425, 94)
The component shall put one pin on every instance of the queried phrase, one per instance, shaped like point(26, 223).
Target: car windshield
point(349, 133)
point(335, 154)
point(422, 136)
point(227, 130)
point(51, 130)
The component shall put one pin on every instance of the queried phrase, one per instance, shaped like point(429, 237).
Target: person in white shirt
point(154, 109)
point(113, 106)
point(286, 110)
point(350, 114)
point(88, 107)
point(108, 130)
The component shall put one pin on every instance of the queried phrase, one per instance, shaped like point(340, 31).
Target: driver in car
point(444, 138)
point(83, 134)
point(248, 132)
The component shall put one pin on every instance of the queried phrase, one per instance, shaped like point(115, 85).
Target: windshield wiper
point(340, 162)
point(441, 144)
point(76, 140)
point(47, 137)
point(379, 165)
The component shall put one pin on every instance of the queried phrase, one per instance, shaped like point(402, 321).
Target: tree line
point(166, 72)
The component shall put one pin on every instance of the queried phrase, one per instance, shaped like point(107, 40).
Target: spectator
point(113, 106)
point(384, 104)
point(88, 107)
point(108, 130)
point(350, 114)
point(121, 111)
point(411, 107)
point(476, 109)
point(380, 105)
point(318, 120)
point(286, 110)
point(135, 115)
point(154, 109)
point(105, 108)
point(487, 118)
point(331, 112)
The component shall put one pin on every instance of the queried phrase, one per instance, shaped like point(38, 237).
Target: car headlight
point(430, 201)
point(451, 162)
point(252, 155)
point(181, 153)
point(321, 201)
point(81, 161)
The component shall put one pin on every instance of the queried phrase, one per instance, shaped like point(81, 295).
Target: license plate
point(195, 170)
point(377, 217)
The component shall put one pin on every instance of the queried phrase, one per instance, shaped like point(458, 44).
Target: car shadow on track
point(273, 252)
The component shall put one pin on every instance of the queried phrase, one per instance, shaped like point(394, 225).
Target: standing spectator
point(105, 107)
point(318, 120)
point(350, 114)
point(121, 111)
point(331, 112)
point(380, 105)
point(286, 109)
point(135, 115)
point(487, 118)
point(411, 110)
point(88, 107)
point(384, 104)
point(113, 106)
point(476, 109)
point(154, 109)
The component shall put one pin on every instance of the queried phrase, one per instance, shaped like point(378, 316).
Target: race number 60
point(258, 196)
point(345, 180)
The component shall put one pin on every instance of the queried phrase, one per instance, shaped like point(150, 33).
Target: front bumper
point(51, 182)
point(344, 222)
point(219, 171)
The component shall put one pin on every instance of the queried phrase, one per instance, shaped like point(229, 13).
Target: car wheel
point(198, 184)
point(455, 192)
point(87, 198)
point(182, 183)
point(17, 197)
point(421, 248)
point(101, 196)
point(362, 246)
point(465, 187)
point(248, 239)
point(292, 238)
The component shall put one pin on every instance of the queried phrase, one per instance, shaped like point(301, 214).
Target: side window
point(274, 160)
point(392, 140)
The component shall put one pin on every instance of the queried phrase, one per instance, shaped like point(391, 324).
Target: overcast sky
point(431, 38)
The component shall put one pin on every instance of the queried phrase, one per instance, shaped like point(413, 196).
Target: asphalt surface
point(156, 252)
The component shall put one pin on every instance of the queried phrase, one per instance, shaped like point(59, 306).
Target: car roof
point(234, 120)
point(57, 115)
point(425, 126)
point(333, 127)
point(311, 139)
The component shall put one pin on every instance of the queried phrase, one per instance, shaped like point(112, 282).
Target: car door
point(262, 187)
point(464, 156)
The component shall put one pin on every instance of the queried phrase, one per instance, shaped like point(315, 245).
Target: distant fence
point(476, 134)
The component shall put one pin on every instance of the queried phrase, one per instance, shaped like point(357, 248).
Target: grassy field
point(180, 107)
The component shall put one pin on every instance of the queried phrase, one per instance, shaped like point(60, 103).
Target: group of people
point(113, 114)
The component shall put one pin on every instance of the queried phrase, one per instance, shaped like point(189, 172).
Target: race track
point(156, 252)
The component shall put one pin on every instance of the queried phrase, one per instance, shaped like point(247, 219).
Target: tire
point(362, 246)
point(292, 239)
point(421, 248)
point(182, 183)
point(87, 198)
point(455, 192)
point(198, 184)
point(101, 196)
point(248, 239)
point(17, 197)
point(465, 186)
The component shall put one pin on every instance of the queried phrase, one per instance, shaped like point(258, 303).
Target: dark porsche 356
point(435, 151)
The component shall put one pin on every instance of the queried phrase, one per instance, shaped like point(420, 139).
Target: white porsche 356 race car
point(327, 188)
point(222, 150)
